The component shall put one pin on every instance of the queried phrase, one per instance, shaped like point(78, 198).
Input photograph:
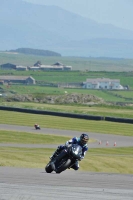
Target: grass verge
point(64, 123)
point(30, 138)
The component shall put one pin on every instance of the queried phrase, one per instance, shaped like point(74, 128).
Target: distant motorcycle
point(37, 126)
point(65, 159)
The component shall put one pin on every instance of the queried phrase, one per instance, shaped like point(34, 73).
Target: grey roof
point(102, 80)
point(19, 66)
point(15, 77)
point(8, 64)
point(51, 67)
point(58, 63)
point(34, 67)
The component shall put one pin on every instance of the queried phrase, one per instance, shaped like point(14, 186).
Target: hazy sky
point(116, 12)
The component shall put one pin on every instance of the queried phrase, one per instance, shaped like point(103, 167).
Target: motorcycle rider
point(37, 126)
point(82, 141)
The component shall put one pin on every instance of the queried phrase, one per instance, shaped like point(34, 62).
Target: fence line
point(70, 115)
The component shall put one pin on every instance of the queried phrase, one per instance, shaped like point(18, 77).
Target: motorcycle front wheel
point(48, 168)
point(63, 166)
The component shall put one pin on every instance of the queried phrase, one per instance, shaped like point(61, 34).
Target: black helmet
point(84, 138)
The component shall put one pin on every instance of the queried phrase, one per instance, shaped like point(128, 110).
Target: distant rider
point(37, 126)
point(82, 141)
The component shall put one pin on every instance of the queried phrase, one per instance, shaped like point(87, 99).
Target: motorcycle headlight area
point(75, 151)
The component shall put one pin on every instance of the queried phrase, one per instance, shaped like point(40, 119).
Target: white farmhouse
point(103, 83)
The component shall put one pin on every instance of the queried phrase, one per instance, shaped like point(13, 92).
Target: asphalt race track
point(35, 184)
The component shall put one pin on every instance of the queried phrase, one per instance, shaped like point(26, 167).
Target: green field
point(41, 91)
point(43, 77)
point(83, 68)
point(47, 78)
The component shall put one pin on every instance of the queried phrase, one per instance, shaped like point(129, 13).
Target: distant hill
point(99, 47)
point(28, 25)
point(35, 52)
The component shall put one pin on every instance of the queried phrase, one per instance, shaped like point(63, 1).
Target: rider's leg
point(56, 153)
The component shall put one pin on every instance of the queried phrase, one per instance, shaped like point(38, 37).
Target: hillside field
point(77, 63)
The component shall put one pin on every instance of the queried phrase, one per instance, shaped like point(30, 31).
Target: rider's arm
point(71, 141)
point(68, 142)
point(84, 150)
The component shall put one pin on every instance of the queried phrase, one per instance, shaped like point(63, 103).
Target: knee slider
point(76, 168)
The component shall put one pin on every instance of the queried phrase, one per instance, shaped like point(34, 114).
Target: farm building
point(37, 66)
point(21, 68)
point(50, 67)
point(34, 68)
point(103, 83)
point(57, 67)
point(8, 66)
point(17, 79)
point(64, 67)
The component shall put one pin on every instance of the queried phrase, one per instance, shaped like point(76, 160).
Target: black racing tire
point(48, 168)
point(64, 166)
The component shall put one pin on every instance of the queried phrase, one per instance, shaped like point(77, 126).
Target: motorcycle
point(37, 127)
point(65, 160)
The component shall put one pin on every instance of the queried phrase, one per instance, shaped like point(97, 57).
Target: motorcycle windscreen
point(76, 151)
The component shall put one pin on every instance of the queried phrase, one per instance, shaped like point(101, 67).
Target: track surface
point(35, 184)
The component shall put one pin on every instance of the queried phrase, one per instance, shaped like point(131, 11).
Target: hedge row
point(70, 115)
